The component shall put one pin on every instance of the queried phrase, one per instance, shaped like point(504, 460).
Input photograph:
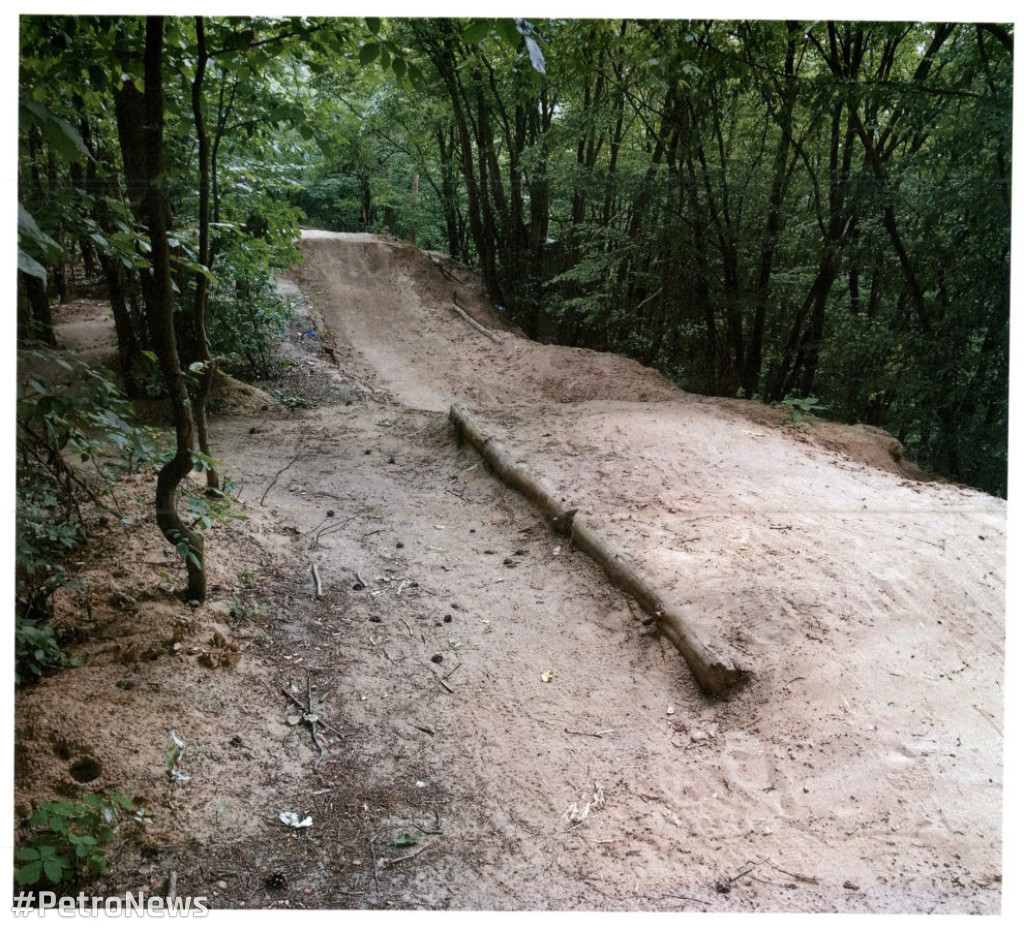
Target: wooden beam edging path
point(713, 672)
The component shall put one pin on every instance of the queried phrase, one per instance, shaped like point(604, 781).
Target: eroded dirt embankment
point(492, 695)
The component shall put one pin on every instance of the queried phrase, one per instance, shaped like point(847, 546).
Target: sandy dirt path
point(867, 748)
point(507, 730)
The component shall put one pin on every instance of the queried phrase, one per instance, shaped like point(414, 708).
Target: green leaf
point(32, 238)
point(368, 53)
point(30, 266)
point(27, 854)
point(29, 874)
point(35, 111)
point(509, 31)
point(54, 870)
point(476, 31)
point(399, 68)
point(373, 24)
point(62, 136)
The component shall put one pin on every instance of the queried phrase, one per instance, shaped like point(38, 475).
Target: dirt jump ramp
point(715, 673)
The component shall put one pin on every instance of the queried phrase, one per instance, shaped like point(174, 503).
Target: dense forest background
point(816, 214)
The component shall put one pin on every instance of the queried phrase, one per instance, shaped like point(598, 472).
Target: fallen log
point(713, 672)
point(440, 267)
point(509, 470)
point(477, 326)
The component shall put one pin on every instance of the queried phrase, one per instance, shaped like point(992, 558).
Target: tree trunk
point(715, 673)
point(755, 342)
point(140, 129)
point(201, 307)
point(39, 324)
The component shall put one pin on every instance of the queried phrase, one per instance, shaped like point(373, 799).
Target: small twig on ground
point(316, 578)
point(334, 527)
point(598, 733)
point(444, 684)
point(408, 856)
point(373, 857)
point(740, 875)
point(449, 674)
point(683, 897)
point(172, 886)
point(416, 826)
point(278, 475)
point(301, 707)
point(312, 719)
point(807, 879)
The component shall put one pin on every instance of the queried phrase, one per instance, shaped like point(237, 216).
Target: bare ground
point(502, 728)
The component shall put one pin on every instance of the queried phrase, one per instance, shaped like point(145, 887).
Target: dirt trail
point(869, 606)
point(505, 705)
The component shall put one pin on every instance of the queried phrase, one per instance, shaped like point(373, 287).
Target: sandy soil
point(487, 695)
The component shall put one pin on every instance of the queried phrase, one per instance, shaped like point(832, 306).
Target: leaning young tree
point(140, 123)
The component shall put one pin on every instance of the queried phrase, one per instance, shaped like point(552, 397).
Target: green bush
point(333, 202)
point(245, 326)
point(72, 441)
point(36, 650)
point(247, 314)
point(69, 839)
point(801, 409)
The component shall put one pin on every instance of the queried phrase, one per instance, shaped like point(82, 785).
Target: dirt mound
point(150, 665)
point(410, 339)
point(231, 396)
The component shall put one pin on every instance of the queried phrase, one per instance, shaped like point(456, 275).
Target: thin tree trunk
point(755, 340)
point(40, 322)
point(140, 129)
point(201, 306)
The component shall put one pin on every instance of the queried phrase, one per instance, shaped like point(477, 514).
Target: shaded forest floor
point(501, 727)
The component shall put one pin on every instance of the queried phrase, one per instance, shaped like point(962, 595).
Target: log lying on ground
point(714, 673)
point(509, 470)
point(477, 326)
